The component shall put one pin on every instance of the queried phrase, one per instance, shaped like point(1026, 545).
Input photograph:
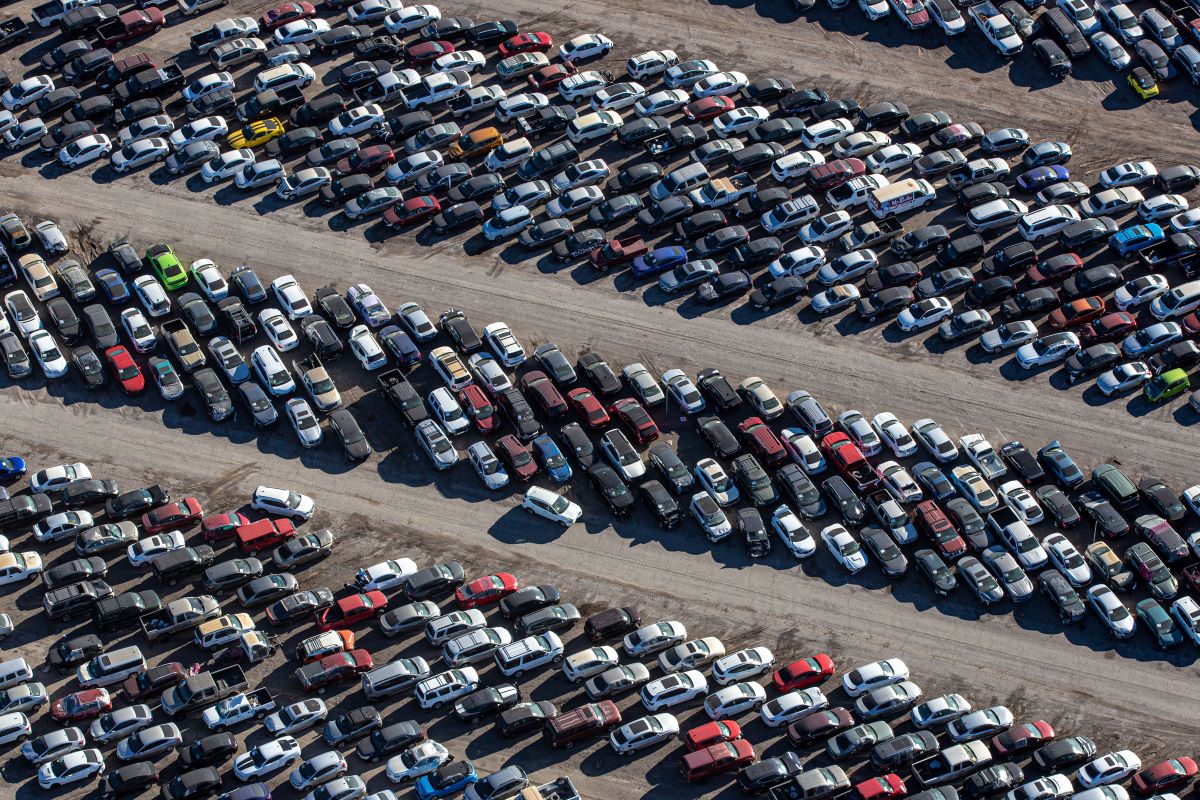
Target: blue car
point(1058, 462)
point(659, 260)
point(113, 286)
point(12, 467)
point(1136, 237)
point(551, 458)
point(1039, 178)
point(447, 780)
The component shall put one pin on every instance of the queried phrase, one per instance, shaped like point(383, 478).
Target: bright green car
point(166, 266)
point(1170, 384)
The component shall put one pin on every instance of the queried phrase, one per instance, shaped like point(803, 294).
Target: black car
point(345, 188)
point(946, 282)
point(1183, 355)
point(231, 574)
point(971, 196)
point(138, 501)
point(543, 234)
point(236, 319)
point(717, 390)
point(1058, 506)
point(615, 209)
point(665, 212)
point(1031, 303)
point(762, 201)
point(192, 785)
point(661, 504)
point(558, 617)
point(89, 365)
point(636, 176)
point(361, 73)
point(599, 373)
point(989, 291)
point(753, 531)
point(885, 303)
point(723, 286)
point(24, 509)
point(434, 581)
point(670, 466)
point(479, 188)
point(579, 243)
point(755, 155)
point(939, 162)
point(1062, 595)
point(768, 90)
point(634, 132)
point(209, 750)
point(1064, 753)
point(297, 140)
point(925, 124)
point(1108, 521)
point(450, 29)
point(576, 442)
point(1014, 258)
point(1052, 57)
point(128, 779)
point(968, 523)
point(524, 717)
point(611, 488)
point(940, 576)
point(1022, 462)
point(778, 130)
point(457, 217)
point(295, 605)
point(69, 651)
point(764, 775)
point(353, 725)
point(719, 437)
point(918, 242)
point(349, 434)
point(88, 492)
point(757, 252)
point(1162, 498)
point(527, 600)
point(901, 273)
point(1096, 280)
point(87, 66)
point(65, 320)
point(802, 100)
point(881, 545)
point(137, 109)
point(1090, 360)
point(900, 751)
point(783, 290)
point(339, 38)
point(1178, 178)
point(331, 303)
point(1085, 232)
point(94, 109)
point(490, 32)
point(380, 46)
point(389, 739)
point(992, 780)
point(700, 223)
point(213, 393)
point(321, 336)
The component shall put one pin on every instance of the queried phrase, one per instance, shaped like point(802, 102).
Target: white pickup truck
point(49, 13)
point(996, 28)
point(723, 191)
point(239, 708)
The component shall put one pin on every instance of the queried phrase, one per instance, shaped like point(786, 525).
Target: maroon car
point(538, 42)
point(172, 516)
point(634, 419)
point(1023, 738)
point(1164, 775)
point(152, 682)
point(1109, 328)
point(544, 393)
point(412, 210)
point(331, 670)
point(516, 456)
point(288, 12)
point(551, 76)
point(367, 161)
point(419, 53)
point(835, 173)
point(937, 527)
point(707, 108)
point(1054, 269)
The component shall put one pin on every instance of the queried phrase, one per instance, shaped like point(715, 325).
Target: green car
point(1162, 387)
point(1166, 632)
point(166, 266)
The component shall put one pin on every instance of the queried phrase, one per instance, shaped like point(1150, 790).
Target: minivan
point(14, 671)
point(111, 667)
point(1065, 32)
point(680, 180)
point(171, 566)
point(283, 76)
point(517, 658)
point(271, 371)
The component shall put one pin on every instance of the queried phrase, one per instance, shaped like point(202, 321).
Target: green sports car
point(166, 266)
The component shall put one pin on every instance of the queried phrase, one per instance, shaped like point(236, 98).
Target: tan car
point(38, 276)
point(316, 381)
point(183, 345)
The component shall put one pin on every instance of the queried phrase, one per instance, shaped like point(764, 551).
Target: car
point(887, 700)
point(844, 548)
point(651, 639)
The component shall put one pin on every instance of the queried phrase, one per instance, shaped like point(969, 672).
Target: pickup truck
point(849, 462)
point(618, 252)
point(952, 764)
point(980, 452)
point(435, 88)
point(222, 31)
point(870, 234)
point(723, 191)
point(239, 708)
point(404, 397)
point(129, 26)
point(1005, 519)
point(680, 137)
point(996, 28)
point(183, 344)
point(202, 690)
point(1184, 15)
point(316, 382)
point(550, 119)
point(13, 30)
point(271, 103)
point(150, 83)
point(558, 789)
point(1179, 250)
point(49, 13)
point(179, 615)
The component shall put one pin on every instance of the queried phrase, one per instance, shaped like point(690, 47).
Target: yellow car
point(255, 134)
point(1143, 83)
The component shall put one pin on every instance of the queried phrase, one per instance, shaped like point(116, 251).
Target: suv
point(529, 653)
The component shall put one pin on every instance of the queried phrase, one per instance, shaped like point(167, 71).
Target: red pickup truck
point(129, 26)
point(618, 252)
point(849, 461)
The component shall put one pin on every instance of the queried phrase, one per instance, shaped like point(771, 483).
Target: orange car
point(1076, 312)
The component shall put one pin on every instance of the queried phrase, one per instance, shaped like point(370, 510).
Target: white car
point(416, 321)
point(384, 576)
point(550, 505)
point(740, 120)
point(529, 194)
point(304, 422)
point(588, 663)
point(1021, 501)
point(296, 717)
point(900, 482)
point(411, 18)
point(156, 125)
point(893, 157)
point(719, 83)
point(53, 479)
point(984, 722)
point(742, 665)
point(801, 262)
point(1067, 559)
point(120, 722)
point(1108, 769)
point(301, 31)
point(691, 655)
point(733, 701)
point(709, 516)
point(1162, 206)
point(979, 451)
point(665, 101)
point(1025, 545)
point(24, 313)
point(27, 92)
point(1110, 50)
point(82, 152)
point(643, 733)
point(354, 121)
point(1120, 623)
point(935, 441)
point(861, 144)
point(683, 392)
point(616, 96)
point(19, 567)
point(48, 355)
point(1129, 173)
point(893, 433)
point(584, 47)
point(303, 183)
point(71, 768)
point(939, 711)
point(487, 466)
point(266, 759)
point(278, 329)
point(924, 314)
point(282, 502)
point(366, 348)
point(827, 132)
point(63, 525)
point(226, 165)
point(874, 9)
point(152, 296)
point(371, 10)
point(828, 227)
point(650, 639)
point(795, 705)
point(140, 153)
point(208, 277)
point(716, 481)
point(291, 297)
point(1050, 349)
point(887, 672)
point(1138, 291)
point(844, 548)
point(673, 690)
point(144, 551)
point(418, 760)
point(448, 411)
point(55, 743)
point(582, 85)
point(860, 431)
point(414, 166)
point(205, 129)
point(792, 533)
point(316, 770)
point(803, 450)
point(650, 63)
point(150, 742)
point(521, 105)
point(469, 61)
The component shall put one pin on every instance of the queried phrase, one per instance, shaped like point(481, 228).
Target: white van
point(14, 727)
point(14, 671)
point(901, 197)
point(113, 667)
point(1180, 301)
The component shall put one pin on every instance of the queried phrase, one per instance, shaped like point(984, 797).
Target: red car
point(1110, 328)
point(544, 392)
point(1023, 738)
point(516, 456)
point(883, 787)
point(585, 404)
point(172, 516)
point(152, 682)
point(803, 673)
point(762, 441)
point(711, 733)
point(1191, 324)
point(486, 591)
point(707, 108)
point(634, 419)
point(551, 76)
point(835, 173)
point(412, 210)
point(618, 252)
point(938, 528)
point(538, 42)
point(217, 527)
point(352, 610)
point(1054, 269)
point(288, 12)
point(320, 675)
point(81, 705)
point(1164, 775)
point(724, 757)
point(1076, 312)
point(419, 53)
point(479, 409)
point(366, 161)
point(124, 369)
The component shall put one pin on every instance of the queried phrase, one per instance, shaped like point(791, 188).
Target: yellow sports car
point(1143, 83)
point(255, 134)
